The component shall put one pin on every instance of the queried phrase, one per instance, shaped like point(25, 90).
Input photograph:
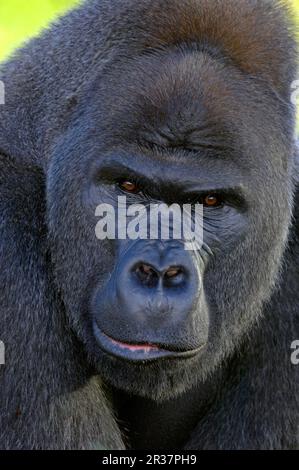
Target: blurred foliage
point(21, 19)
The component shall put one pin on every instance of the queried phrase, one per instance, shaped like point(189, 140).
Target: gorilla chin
point(146, 370)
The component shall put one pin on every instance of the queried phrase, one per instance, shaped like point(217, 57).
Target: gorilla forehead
point(174, 92)
point(188, 102)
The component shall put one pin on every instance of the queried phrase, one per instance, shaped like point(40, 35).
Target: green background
point(21, 19)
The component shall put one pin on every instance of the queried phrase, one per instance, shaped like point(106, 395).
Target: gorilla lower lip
point(137, 352)
point(134, 347)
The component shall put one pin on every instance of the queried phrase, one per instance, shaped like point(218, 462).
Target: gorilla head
point(171, 117)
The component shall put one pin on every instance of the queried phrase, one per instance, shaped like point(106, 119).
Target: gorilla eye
point(129, 187)
point(212, 200)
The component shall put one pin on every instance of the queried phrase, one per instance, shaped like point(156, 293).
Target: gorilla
point(129, 344)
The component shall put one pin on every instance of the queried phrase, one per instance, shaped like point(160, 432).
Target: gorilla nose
point(154, 298)
point(155, 277)
point(150, 276)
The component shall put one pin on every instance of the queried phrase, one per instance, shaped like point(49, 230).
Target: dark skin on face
point(154, 292)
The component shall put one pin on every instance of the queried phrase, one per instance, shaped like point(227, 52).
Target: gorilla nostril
point(146, 269)
point(147, 275)
point(173, 272)
point(174, 276)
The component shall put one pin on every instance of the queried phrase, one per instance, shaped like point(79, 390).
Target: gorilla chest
point(147, 424)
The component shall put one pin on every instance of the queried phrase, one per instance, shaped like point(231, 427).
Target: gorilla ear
point(257, 35)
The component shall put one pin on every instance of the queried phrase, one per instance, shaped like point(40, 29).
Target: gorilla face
point(177, 126)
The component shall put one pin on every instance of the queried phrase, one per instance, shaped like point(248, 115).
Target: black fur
point(107, 78)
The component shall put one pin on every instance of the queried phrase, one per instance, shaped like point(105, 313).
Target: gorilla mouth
point(144, 352)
